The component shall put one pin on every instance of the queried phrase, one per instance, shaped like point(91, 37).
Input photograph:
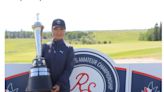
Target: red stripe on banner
point(145, 74)
point(119, 68)
point(16, 75)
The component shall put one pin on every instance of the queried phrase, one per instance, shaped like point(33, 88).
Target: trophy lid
point(37, 23)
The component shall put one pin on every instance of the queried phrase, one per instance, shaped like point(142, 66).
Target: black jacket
point(59, 59)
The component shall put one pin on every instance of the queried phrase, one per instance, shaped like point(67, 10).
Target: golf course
point(124, 44)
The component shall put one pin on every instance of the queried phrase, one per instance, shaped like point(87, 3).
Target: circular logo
point(93, 72)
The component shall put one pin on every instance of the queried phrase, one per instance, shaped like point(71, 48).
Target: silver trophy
point(39, 77)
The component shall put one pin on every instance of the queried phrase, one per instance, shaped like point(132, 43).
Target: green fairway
point(137, 49)
point(124, 44)
point(19, 50)
point(118, 35)
point(23, 50)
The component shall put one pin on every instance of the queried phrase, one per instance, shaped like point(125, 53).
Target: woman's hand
point(56, 88)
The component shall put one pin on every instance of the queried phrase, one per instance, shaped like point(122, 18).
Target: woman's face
point(58, 33)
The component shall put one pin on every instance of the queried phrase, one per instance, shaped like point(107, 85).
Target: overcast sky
point(81, 14)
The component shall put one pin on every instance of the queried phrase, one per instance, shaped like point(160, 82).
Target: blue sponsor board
point(93, 72)
point(122, 78)
point(18, 82)
point(142, 82)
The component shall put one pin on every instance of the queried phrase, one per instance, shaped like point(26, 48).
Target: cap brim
point(58, 26)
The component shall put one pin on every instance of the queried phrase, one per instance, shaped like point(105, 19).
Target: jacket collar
point(58, 42)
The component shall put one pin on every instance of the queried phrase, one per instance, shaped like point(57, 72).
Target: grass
point(137, 49)
point(125, 44)
point(118, 36)
point(23, 50)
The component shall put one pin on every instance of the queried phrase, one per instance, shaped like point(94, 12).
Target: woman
point(59, 58)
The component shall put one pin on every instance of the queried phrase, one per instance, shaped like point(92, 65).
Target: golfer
point(59, 57)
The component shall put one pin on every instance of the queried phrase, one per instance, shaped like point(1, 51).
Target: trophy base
point(39, 78)
point(39, 84)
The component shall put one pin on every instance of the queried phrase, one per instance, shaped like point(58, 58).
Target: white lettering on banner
point(88, 60)
point(150, 88)
point(11, 89)
point(93, 72)
point(100, 65)
point(107, 74)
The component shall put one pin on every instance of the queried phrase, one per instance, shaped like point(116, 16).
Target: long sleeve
point(68, 68)
point(43, 49)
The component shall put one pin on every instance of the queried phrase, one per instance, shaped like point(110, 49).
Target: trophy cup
point(39, 76)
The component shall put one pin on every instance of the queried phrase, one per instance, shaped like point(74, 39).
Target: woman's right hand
point(56, 88)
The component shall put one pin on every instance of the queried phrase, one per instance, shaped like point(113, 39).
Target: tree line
point(79, 37)
point(152, 34)
point(23, 34)
point(74, 37)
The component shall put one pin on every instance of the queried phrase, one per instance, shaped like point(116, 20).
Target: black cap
point(58, 23)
